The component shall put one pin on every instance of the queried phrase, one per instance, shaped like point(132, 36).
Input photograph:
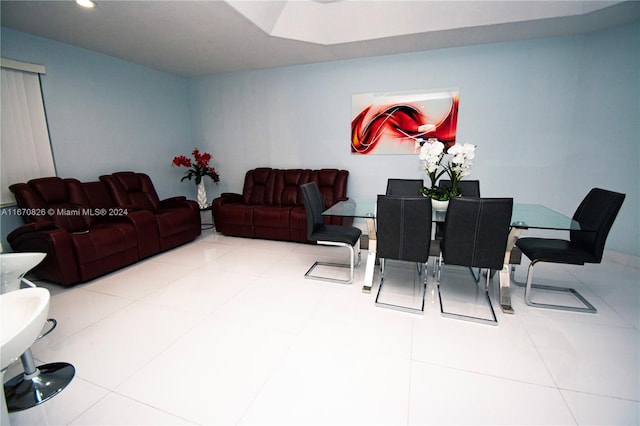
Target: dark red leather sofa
point(176, 220)
point(271, 205)
point(89, 229)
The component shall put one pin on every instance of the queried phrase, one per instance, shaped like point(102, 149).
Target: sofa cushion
point(103, 240)
point(27, 197)
point(98, 195)
point(66, 205)
point(272, 222)
point(332, 184)
point(287, 190)
point(271, 216)
point(105, 247)
point(132, 190)
point(258, 186)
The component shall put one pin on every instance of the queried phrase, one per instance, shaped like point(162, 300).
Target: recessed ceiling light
point(86, 3)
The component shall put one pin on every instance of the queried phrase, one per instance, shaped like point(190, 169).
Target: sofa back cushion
point(332, 184)
point(132, 190)
point(287, 190)
point(281, 187)
point(57, 200)
point(30, 203)
point(98, 195)
point(258, 186)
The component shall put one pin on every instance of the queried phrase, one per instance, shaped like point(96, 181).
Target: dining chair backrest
point(467, 188)
point(476, 232)
point(596, 214)
point(406, 187)
point(403, 228)
point(314, 206)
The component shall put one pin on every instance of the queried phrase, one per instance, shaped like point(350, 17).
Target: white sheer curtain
point(25, 150)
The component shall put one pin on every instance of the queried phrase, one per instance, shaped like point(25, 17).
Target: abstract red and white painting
point(398, 122)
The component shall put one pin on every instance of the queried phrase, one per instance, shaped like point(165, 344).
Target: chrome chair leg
point(492, 321)
point(351, 264)
point(588, 307)
point(476, 278)
point(422, 274)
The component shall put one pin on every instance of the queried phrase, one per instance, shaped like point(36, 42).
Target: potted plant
point(455, 162)
point(198, 169)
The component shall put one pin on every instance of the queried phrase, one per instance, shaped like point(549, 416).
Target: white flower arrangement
point(462, 160)
point(432, 154)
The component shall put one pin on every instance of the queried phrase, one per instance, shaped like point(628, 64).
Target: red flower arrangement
point(199, 168)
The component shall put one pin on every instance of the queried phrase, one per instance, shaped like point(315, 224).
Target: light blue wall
point(551, 118)
point(107, 115)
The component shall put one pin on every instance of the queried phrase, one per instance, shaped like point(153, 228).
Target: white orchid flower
point(460, 159)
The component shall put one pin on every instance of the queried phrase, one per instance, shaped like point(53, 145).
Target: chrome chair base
point(28, 390)
point(421, 273)
point(352, 265)
point(309, 276)
point(492, 321)
point(587, 308)
point(37, 384)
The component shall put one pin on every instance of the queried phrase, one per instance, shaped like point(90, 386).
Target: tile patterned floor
point(226, 331)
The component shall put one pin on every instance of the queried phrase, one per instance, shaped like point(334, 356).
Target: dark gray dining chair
point(476, 231)
point(596, 214)
point(470, 188)
point(404, 234)
point(406, 187)
point(467, 188)
point(330, 235)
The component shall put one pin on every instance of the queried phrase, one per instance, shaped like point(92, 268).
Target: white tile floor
point(226, 331)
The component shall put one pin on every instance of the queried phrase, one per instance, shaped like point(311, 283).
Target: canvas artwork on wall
point(397, 123)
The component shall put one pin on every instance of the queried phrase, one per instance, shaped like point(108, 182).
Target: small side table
point(207, 225)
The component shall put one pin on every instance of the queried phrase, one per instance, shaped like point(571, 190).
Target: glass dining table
point(524, 216)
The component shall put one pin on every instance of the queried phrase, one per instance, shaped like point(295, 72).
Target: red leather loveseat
point(88, 229)
point(271, 205)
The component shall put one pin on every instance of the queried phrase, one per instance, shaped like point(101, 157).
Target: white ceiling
point(196, 38)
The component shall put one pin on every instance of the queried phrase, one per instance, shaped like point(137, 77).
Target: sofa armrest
point(30, 227)
point(230, 194)
point(60, 265)
point(229, 197)
point(172, 202)
point(32, 233)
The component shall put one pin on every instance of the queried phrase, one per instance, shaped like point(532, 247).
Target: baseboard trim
point(622, 258)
